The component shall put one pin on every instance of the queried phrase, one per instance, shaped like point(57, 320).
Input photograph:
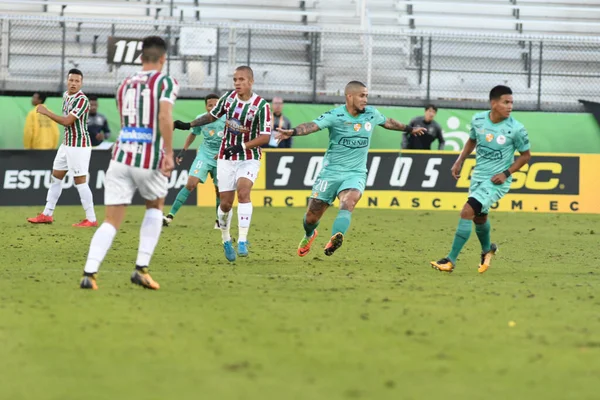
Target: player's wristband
point(181, 153)
point(506, 173)
point(408, 129)
point(294, 132)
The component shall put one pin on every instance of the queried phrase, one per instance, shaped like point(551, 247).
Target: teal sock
point(309, 229)
point(483, 233)
point(217, 207)
point(341, 222)
point(460, 238)
point(179, 200)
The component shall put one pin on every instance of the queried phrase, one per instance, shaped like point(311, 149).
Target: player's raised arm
point(393, 125)
point(301, 130)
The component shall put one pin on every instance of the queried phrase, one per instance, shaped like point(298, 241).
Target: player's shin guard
point(180, 200)
point(341, 222)
point(149, 235)
point(460, 238)
point(244, 211)
point(52, 198)
point(309, 229)
point(101, 242)
point(225, 223)
point(483, 233)
point(87, 201)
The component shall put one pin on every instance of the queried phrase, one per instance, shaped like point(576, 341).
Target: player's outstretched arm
point(394, 125)
point(466, 151)
point(67, 120)
point(301, 130)
point(523, 159)
point(202, 120)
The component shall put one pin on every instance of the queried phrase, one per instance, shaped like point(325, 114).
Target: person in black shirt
point(97, 123)
point(434, 132)
point(279, 121)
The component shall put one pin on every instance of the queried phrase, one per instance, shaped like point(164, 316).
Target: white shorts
point(121, 182)
point(228, 173)
point(74, 159)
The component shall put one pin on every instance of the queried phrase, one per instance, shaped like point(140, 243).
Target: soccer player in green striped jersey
point(247, 128)
point(73, 154)
point(142, 160)
point(205, 162)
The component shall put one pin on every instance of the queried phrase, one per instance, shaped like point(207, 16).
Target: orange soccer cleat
point(86, 223)
point(41, 219)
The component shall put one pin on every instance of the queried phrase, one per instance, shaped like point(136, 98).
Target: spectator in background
point(434, 131)
point(279, 121)
point(97, 123)
point(40, 133)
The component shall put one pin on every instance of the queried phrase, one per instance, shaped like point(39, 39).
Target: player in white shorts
point(142, 160)
point(247, 128)
point(73, 154)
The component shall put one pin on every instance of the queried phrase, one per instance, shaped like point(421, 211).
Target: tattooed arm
point(394, 125)
point(202, 120)
point(301, 130)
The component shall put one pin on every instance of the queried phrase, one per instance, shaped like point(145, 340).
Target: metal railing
point(306, 63)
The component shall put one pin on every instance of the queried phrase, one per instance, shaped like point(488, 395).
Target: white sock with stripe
point(101, 242)
point(244, 212)
point(53, 194)
point(149, 235)
point(87, 201)
point(225, 223)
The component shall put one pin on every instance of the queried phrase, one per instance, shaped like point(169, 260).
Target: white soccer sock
point(87, 201)
point(149, 234)
point(225, 223)
point(101, 242)
point(244, 212)
point(53, 194)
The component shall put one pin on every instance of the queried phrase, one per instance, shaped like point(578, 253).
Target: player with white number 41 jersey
point(142, 160)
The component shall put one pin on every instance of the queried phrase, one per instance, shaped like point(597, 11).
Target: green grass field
point(372, 322)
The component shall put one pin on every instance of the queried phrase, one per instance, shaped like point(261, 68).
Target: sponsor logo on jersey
point(235, 126)
point(354, 142)
point(490, 154)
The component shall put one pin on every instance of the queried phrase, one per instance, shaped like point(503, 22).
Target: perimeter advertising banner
point(422, 181)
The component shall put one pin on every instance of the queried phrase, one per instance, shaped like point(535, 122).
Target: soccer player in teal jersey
point(205, 162)
point(344, 171)
point(496, 136)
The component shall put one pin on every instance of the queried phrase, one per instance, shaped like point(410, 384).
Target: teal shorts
point(487, 193)
point(201, 167)
point(329, 184)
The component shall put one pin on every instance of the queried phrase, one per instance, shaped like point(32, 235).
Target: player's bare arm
point(523, 159)
point(394, 125)
point(301, 130)
point(200, 121)
point(165, 124)
point(261, 140)
point(466, 151)
point(188, 142)
point(59, 119)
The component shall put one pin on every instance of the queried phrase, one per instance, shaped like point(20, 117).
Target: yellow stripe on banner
point(584, 200)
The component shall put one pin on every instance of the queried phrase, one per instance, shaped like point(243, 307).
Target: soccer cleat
point(229, 251)
point(242, 249)
point(86, 223)
point(486, 258)
point(140, 276)
point(41, 219)
point(168, 219)
point(335, 243)
point(217, 225)
point(88, 282)
point(444, 265)
point(305, 243)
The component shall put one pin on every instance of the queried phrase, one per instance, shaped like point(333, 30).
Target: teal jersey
point(349, 138)
point(212, 136)
point(496, 144)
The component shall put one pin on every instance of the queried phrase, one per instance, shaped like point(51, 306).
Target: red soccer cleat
point(86, 224)
point(41, 219)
